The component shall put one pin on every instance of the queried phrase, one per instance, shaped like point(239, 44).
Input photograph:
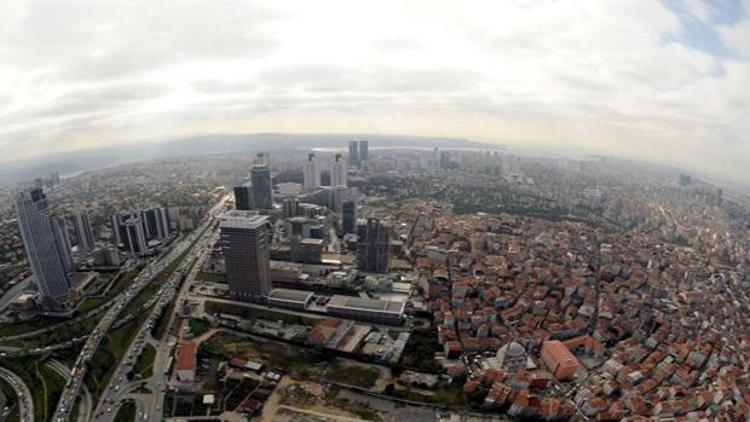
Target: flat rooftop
point(377, 305)
point(241, 219)
point(290, 295)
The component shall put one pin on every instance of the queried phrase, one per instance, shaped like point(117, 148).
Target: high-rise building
point(42, 250)
point(155, 223)
point(364, 154)
point(260, 176)
point(130, 233)
point(135, 236)
point(291, 207)
point(311, 173)
point(62, 238)
point(243, 197)
point(354, 152)
point(373, 247)
point(349, 216)
point(338, 171)
point(245, 243)
point(262, 158)
point(445, 160)
point(84, 234)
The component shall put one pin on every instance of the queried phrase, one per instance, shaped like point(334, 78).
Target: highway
point(120, 388)
point(25, 401)
point(146, 276)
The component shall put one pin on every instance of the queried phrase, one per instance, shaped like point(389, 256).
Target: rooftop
point(290, 295)
point(353, 302)
point(240, 219)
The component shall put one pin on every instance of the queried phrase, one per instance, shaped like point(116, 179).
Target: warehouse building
point(369, 310)
point(290, 299)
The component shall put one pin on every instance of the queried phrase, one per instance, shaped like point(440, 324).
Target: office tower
point(245, 240)
point(262, 158)
point(354, 152)
point(364, 154)
point(135, 236)
point(54, 178)
point(130, 233)
point(373, 246)
point(243, 197)
point(42, 250)
point(311, 173)
point(445, 159)
point(62, 239)
point(338, 171)
point(84, 234)
point(155, 223)
point(291, 207)
point(260, 177)
point(349, 217)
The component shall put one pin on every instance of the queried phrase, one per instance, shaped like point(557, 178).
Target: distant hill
point(82, 160)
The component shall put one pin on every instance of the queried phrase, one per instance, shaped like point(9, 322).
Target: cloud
point(613, 76)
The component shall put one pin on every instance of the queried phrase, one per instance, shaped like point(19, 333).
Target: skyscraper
point(373, 253)
point(62, 239)
point(155, 223)
point(291, 207)
point(364, 154)
point(130, 233)
point(260, 176)
point(84, 234)
point(245, 241)
point(243, 197)
point(42, 250)
point(349, 216)
point(338, 171)
point(311, 173)
point(353, 152)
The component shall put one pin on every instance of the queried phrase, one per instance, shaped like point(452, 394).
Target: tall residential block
point(338, 171)
point(311, 173)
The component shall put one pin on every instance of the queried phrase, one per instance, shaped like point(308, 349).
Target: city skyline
point(660, 81)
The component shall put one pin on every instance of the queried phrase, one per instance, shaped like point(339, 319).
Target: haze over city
point(352, 211)
point(663, 81)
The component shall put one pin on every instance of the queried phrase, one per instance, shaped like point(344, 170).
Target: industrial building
point(364, 309)
point(290, 299)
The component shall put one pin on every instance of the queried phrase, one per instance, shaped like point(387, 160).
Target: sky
point(665, 81)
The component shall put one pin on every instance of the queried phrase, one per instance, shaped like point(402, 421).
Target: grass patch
point(52, 386)
point(162, 322)
point(419, 352)
point(224, 346)
point(144, 366)
point(24, 327)
point(248, 312)
point(210, 277)
point(199, 326)
point(359, 376)
point(45, 385)
point(126, 412)
point(117, 287)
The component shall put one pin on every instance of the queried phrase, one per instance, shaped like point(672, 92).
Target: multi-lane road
point(146, 276)
point(119, 387)
point(26, 410)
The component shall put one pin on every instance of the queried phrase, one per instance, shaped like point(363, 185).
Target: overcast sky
point(665, 81)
